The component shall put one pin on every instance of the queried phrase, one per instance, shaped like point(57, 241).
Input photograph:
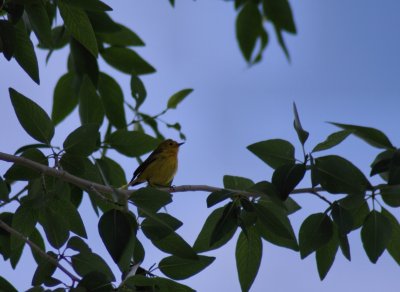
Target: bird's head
point(169, 145)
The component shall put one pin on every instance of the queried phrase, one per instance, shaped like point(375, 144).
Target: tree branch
point(43, 254)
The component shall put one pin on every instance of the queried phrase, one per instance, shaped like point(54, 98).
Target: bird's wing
point(145, 164)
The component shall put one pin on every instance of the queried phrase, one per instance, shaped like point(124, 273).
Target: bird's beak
point(179, 144)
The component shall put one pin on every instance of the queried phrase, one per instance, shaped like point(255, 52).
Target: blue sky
point(345, 68)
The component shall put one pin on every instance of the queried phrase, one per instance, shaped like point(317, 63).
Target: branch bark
point(43, 254)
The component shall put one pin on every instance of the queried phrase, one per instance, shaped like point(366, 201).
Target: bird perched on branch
point(160, 167)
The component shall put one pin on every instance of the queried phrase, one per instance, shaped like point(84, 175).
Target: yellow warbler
point(160, 167)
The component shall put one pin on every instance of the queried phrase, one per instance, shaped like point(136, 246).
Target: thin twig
point(321, 197)
point(43, 254)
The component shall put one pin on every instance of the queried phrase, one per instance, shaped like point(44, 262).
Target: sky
point(344, 68)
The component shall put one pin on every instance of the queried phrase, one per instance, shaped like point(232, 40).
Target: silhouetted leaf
point(372, 136)
point(301, 133)
point(123, 37)
point(342, 218)
point(226, 223)
point(138, 90)
point(91, 5)
point(44, 270)
point(332, 140)
point(394, 242)
point(375, 235)
point(178, 97)
point(248, 257)
point(32, 117)
point(159, 226)
point(325, 255)
point(280, 13)
point(83, 140)
point(65, 97)
point(19, 172)
point(150, 199)
point(287, 177)
point(174, 244)
point(39, 20)
point(91, 109)
point(85, 263)
point(275, 152)
point(82, 62)
point(132, 143)
point(315, 231)
point(4, 284)
point(237, 182)
point(179, 269)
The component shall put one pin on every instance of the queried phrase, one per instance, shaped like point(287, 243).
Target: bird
point(160, 167)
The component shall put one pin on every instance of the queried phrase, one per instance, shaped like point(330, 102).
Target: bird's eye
point(170, 143)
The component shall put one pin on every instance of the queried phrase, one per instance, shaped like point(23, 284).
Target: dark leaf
point(24, 53)
point(73, 164)
point(394, 242)
point(7, 39)
point(217, 197)
point(4, 190)
point(112, 171)
point(116, 230)
point(178, 97)
point(24, 221)
point(83, 141)
point(32, 117)
point(44, 270)
point(237, 182)
point(138, 90)
point(54, 226)
point(275, 152)
point(391, 196)
point(248, 257)
point(202, 242)
point(91, 5)
point(344, 245)
point(95, 282)
point(19, 172)
point(159, 283)
point(315, 232)
point(179, 269)
point(127, 61)
point(37, 239)
point(6, 286)
point(85, 263)
point(342, 218)
point(376, 235)
point(83, 62)
point(65, 97)
point(132, 143)
point(174, 244)
point(150, 199)
point(91, 109)
point(78, 25)
point(372, 136)
point(39, 21)
point(123, 37)
point(281, 41)
point(325, 255)
point(226, 223)
point(159, 226)
point(338, 175)
point(102, 22)
point(280, 13)
point(248, 28)
point(113, 100)
point(301, 133)
point(287, 177)
point(76, 243)
point(332, 140)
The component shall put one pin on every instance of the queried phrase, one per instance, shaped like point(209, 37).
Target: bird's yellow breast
point(161, 171)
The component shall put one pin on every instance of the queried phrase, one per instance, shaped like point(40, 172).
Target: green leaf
point(76, 243)
point(4, 190)
point(325, 255)
point(372, 136)
point(394, 242)
point(159, 226)
point(91, 109)
point(39, 20)
point(127, 61)
point(19, 172)
point(237, 182)
point(179, 269)
point(342, 218)
point(138, 90)
point(32, 117)
point(280, 13)
point(83, 141)
point(275, 152)
point(178, 97)
point(82, 62)
point(301, 133)
point(174, 244)
point(338, 175)
point(158, 283)
point(248, 257)
point(281, 41)
point(287, 177)
point(94, 281)
point(391, 196)
point(113, 100)
point(359, 214)
point(217, 197)
point(102, 22)
point(6, 286)
point(54, 226)
point(116, 230)
point(132, 143)
point(332, 140)
point(248, 27)
point(91, 5)
point(73, 164)
point(24, 221)
point(375, 235)
point(7, 39)
point(113, 172)
point(65, 97)
point(226, 223)
point(78, 25)
point(24, 53)
point(37, 239)
point(315, 232)
point(124, 37)
point(86, 262)
point(150, 199)
point(44, 270)
point(275, 227)
point(202, 242)
point(344, 245)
